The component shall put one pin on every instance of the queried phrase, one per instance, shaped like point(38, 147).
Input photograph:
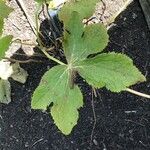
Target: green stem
point(52, 58)
point(40, 43)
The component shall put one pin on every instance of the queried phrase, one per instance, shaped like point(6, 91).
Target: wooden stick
point(23, 61)
point(29, 19)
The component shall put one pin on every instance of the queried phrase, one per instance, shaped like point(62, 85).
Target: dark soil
point(122, 119)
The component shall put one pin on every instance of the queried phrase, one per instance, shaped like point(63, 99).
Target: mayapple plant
point(112, 70)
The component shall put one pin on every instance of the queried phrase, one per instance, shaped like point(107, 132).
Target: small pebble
point(95, 142)
point(134, 16)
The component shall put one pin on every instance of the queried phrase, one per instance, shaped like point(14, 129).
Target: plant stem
point(52, 58)
point(138, 93)
point(23, 43)
point(40, 42)
point(94, 114)
point(22, 61)
point(21, 3)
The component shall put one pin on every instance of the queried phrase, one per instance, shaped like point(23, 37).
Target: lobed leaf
point(54, 88)
point(72, 36)
point(85, 8)
point(94, 40)
point(80, 41)
point(64, 111)
point(45, 92)
point(115, 71)
point(4, 44)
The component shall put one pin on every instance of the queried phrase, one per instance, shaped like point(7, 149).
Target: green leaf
point(54, 88)
point(5, 91)
point(64, 111)
point(5, 10)
point(85, 8)
point(72, 36)
point(4, 44)
point(79, 42)
point(1, 25)
point(115, 71)
point(45, 92)
point(95, 39)
point(75, 35)
point(42, 1)
point(18, 73)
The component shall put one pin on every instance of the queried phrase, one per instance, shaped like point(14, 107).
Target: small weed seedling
point(112, 70)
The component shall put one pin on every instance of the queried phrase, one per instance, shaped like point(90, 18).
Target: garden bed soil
point(122, 120)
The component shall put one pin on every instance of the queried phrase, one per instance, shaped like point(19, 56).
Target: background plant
point(6, 68)
point(5, 42)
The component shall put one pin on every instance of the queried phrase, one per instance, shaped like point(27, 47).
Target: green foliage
point(54, 88)
point(51, 81)
point(4, 44)
point(1, 26)
point(14, 71)
point(5, 10)
point(6, 70)
point(114, 71)
point(4, 41)
point(18, 74)
point(84, 8)
point(80, 41)
point(42, 1)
